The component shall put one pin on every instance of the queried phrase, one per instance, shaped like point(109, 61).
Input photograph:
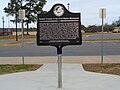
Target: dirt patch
point(7, 69)
point(103, 68)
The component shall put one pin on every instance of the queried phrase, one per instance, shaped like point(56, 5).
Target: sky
point(89, 10)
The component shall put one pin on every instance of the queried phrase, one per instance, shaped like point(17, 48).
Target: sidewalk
point(65, 59)
point(45, 78)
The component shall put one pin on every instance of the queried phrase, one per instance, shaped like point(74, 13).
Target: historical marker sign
point(59, 27)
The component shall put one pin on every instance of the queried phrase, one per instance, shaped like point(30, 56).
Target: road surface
point(86, 49)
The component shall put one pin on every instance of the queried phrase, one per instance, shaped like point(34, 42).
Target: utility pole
point(16, 19)
point(68, 6)
point(3, 24)
point(9, 24)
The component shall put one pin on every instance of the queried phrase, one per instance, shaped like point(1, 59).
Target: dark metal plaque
point(59, 27)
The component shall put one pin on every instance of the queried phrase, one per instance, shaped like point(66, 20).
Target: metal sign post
point(22, 23)
point(59, 27)
point(22, 17)
point(59, 71)
point(102, 16)
point(59, 52)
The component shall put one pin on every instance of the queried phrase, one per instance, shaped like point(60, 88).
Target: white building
point(116, 30)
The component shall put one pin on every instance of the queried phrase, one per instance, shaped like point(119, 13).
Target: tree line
point(33, 7)
point(97, 28)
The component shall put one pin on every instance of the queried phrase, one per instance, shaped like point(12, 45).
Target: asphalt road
point(6, 41)
point(86, 49)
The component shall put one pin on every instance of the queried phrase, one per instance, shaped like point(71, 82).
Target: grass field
point(98, 68)
point(103, 68)
point(7, 69)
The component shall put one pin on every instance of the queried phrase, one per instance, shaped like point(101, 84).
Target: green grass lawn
point(7, 69)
